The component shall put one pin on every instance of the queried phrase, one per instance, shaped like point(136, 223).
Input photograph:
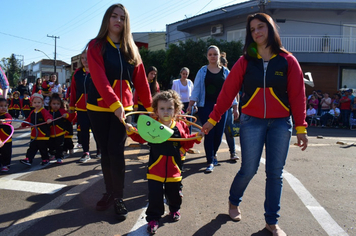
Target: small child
point(165, 163)
point(6, 149)
point(37, 116)
point(57, 132)
point(15, 105)
point(26, 104)
point(68, 126)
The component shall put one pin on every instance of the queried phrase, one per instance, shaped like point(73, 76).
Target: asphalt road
point(318, 195)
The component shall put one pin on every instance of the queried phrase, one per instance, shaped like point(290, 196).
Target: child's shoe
point(84, 158)
point(5, 169)
point(59, 161)
point(210, 168)
point(71, 152)
point(52, 158)
point(26, 161)
point(79, 145)
point(152, 226)
point(175, 215)
point(45, 162)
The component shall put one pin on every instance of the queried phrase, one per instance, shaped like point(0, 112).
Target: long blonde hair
point(128, 45)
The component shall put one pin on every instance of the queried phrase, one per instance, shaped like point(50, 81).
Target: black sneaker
point(26, 161)
point(105, 202)
point(120, 209)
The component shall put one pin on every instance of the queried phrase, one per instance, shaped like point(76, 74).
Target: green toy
point(153, 131)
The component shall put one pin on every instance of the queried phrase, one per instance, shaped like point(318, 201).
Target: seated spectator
point(311, 112)
point(334, 112)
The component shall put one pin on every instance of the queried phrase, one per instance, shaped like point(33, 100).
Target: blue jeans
point(212, 140)
point(345, 116)
point(230, 140)
point(275, 135)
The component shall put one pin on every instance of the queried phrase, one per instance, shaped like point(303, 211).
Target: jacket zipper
point(264, 87)
point(118, 49)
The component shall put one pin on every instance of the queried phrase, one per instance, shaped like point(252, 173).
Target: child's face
point(3, 107)
point(151, 75)
point(55, 105)
point(165, 110)
point(37, 103)
point(16, 96)
point(25, 95)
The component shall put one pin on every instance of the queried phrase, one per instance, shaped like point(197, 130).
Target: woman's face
point(184, 74)
point(151, 75)
point(53, 78)
point(83, 59)
point(213, 56)
point(39, 81)
point(259, 31)
point(117, 20)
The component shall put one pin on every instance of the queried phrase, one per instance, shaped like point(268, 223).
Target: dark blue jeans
point(275, 135)
point(212, 140)
point(229, 139)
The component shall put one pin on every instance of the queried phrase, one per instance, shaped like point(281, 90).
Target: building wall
point(325, 77)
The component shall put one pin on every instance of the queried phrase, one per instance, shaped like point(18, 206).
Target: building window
point(236, 35)
point(348, 78)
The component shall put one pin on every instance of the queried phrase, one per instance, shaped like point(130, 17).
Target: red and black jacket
point(15, 104)
point(57, 127)
point(68, 125)
point(39, 117)
point(26, 104)
point(113, 78)
point(275, 93)
point(5, 130)
point(165, 160)
point(79, 90)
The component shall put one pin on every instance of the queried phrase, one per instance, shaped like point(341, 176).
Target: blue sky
point(26, 24)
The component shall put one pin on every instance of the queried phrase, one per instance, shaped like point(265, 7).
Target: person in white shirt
point(334, 112)
point(184, 87)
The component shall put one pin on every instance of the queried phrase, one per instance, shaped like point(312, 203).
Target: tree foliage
point(191, 54)
point(12, 67)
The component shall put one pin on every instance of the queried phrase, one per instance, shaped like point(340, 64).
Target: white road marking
point(140, 227)
point(319, 213)
point(22, 224)
point(29, 186)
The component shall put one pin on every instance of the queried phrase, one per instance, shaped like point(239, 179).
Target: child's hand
point(49, 121)
point(129, 127)
point(1, 144)
point(64, 115)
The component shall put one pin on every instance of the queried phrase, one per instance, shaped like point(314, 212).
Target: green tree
point(11, 67)
point(191, 54)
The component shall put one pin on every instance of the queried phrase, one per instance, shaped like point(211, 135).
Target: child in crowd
point(39, 140)
point(26, 104)
point(68, 126)
point(165, 164)
point(311, 112)
point(46, 91)
point(15, 105)
point(5, 148)
point(57, 132)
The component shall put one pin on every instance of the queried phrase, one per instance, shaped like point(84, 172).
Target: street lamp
point(43, 53)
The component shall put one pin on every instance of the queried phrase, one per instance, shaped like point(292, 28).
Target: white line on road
point(29, 186)
point(22, 224)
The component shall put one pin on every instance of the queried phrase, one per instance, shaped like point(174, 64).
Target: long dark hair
point(153, 84)
point(274, 41)
point(56, 97)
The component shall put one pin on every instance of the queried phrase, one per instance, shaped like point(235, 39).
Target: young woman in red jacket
point(115, 66)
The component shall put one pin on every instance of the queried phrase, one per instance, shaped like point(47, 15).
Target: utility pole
point(55, 50)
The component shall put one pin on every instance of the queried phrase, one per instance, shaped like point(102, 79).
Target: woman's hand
point(302, 141)
point(207, 127)
point(120, 114)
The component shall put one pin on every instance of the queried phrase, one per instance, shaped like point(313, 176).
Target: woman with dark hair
point(154, 88)
point(273, 90)
point(37, 87)
point(115, 65)
point(55, 85)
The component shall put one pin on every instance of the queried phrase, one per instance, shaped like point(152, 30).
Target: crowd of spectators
point(336, 110)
